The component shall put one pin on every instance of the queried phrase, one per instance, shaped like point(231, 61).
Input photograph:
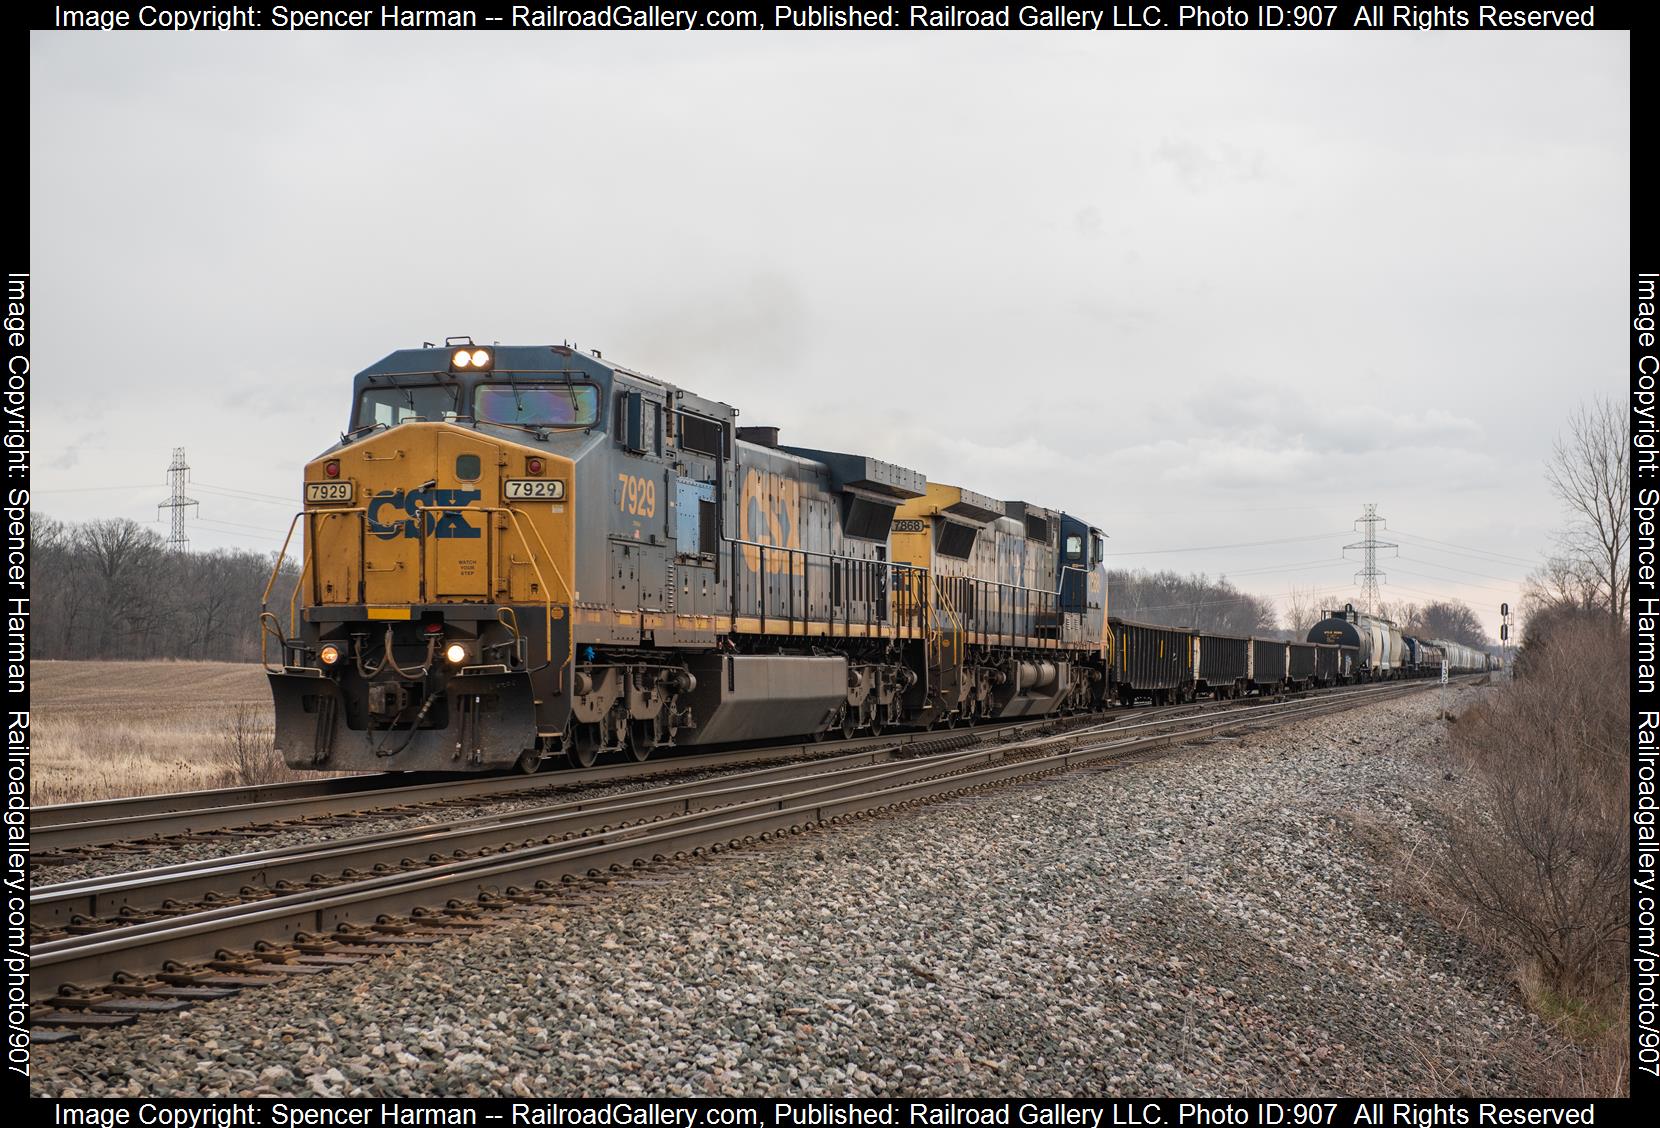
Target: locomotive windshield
point(391, 406)
point(537, 405)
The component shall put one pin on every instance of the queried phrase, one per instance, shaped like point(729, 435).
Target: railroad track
point(72, 832)
point(75, 832)
point(198, 931)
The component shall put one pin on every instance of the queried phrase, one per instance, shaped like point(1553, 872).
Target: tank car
point(517, 553)
point(1380, 647)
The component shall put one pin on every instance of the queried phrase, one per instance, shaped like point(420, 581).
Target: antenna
point(177, 476)
point(1368, 576)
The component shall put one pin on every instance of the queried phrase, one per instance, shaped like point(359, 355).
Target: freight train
point(526, 555)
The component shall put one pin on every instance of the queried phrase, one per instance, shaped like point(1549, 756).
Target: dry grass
point(107, 729)
point(1539, 860)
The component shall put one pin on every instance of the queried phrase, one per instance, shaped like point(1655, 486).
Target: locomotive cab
point(431, 619)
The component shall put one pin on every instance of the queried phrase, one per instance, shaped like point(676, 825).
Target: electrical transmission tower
point(1368, 576)
point(177, 475)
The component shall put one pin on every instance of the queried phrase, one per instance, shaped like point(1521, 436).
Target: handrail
point(891, 576)
point(362, 512)
point(547, 591)
point(265, 596)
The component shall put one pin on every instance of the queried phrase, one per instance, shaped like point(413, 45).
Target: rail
point(295, 920)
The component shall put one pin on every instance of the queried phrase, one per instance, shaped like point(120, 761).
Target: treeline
point(1197, 602)
point(1444, 619)
point(113, 589)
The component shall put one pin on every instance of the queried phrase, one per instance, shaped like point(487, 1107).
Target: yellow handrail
point(265, 596)
point(362, 512)
point(547, 592)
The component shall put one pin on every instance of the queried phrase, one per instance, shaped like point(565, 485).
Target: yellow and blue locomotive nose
point(434, 595)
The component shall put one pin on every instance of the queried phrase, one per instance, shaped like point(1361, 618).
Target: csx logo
point(394, 513)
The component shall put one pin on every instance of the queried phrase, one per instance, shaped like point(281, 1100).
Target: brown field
point(106, 729)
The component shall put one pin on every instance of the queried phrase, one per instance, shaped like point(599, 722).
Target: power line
point(1465, 571)
point(1299, 567)
point(1466, 550)
point(91, 489)
point(1461, 583)
point(237, 492)
point(1242, 544)
point(239, 525)
point(265, 537)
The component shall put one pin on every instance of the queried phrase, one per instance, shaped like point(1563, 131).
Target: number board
point(328, 491)
point(534, 489)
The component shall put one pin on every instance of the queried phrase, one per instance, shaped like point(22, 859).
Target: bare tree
point(1300, 609)
point(1449, 619)
point(110, 589)
point(1191, 602)
point(125, 560)
point(1402, 612)
point(1590, 471)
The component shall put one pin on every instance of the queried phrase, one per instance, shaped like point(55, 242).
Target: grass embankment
point(106, 729)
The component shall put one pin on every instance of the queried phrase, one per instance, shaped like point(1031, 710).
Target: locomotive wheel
point(583, 744)
point(530, 760)
point(876, 723)
point(850, 723)
point(642, 736)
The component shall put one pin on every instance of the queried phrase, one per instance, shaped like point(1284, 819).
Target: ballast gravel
point(1225, 919)
point(371, 821)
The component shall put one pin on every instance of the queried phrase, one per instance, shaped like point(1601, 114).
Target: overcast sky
point(1200, 289)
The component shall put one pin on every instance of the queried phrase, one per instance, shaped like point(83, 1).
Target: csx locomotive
point(517, 553)
point(522, 555)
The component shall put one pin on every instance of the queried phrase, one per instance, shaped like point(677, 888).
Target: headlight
point(471, 358)
point(329, 654)
point(455, 653)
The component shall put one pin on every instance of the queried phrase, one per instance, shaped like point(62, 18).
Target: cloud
point(1202, 168)
point(1201, 290)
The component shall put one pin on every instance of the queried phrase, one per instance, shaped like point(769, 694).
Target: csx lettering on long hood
point(437, 508)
